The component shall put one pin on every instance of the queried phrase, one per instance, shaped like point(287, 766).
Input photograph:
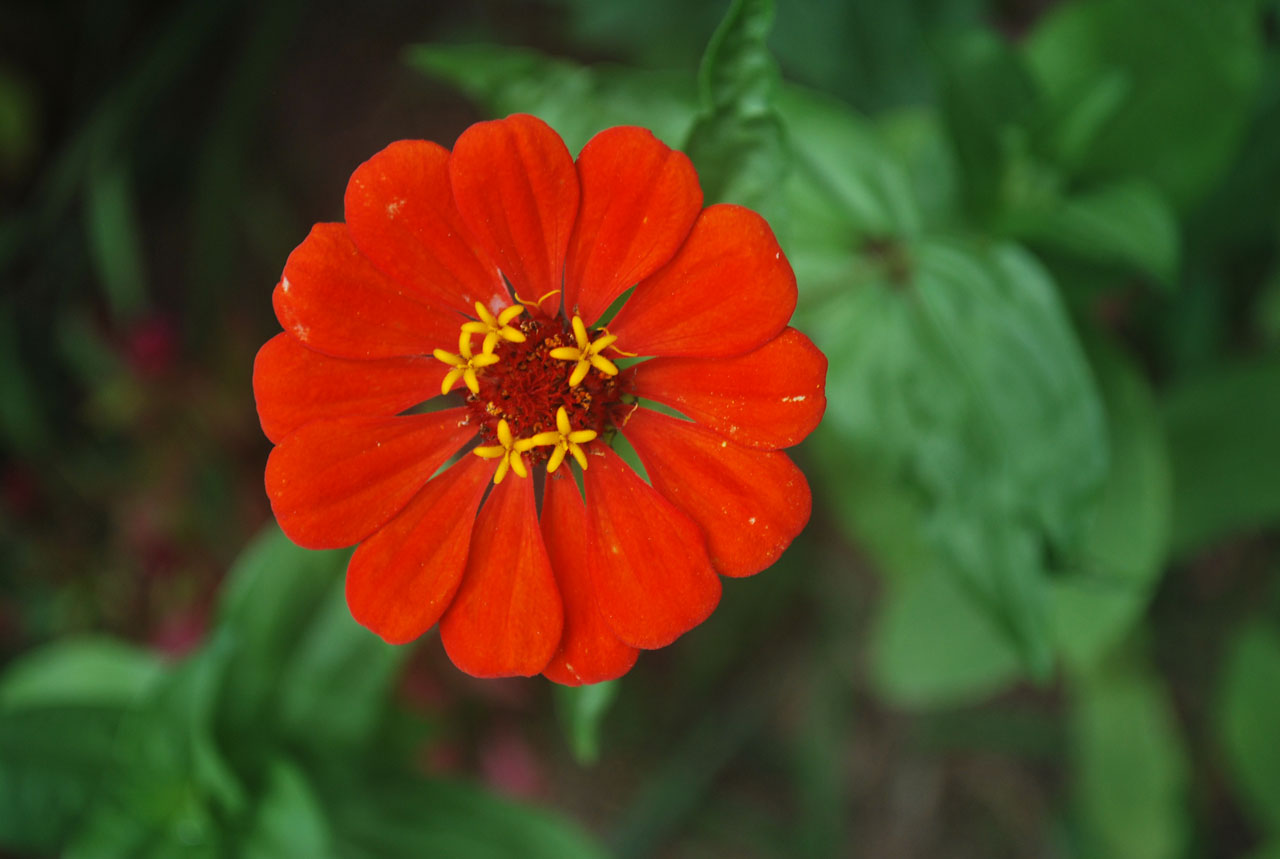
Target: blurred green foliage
point(1037, 609)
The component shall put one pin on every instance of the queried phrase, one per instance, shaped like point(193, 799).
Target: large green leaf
point(301, 668)
point(170, 788)
point(963, 383)
point(337, 683)
point(1140, 64)
point(387, 815)
point(932, 646)
point(844, 182)
point(1224, 443)
point(1248, 713)
point(1126, 534)
point(115, 237)
point(575, 100)
point(1130, 773)
point(289, 820)
point(1126, 224)
point(989, 102)
point(80, 671)
point(737, 143)
point(53, 761)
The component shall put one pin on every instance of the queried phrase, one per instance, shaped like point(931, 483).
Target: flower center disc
point(527, 386)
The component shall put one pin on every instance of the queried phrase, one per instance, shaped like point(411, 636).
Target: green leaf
point(1126, 224)
point(115, 237)
point(80, 671)
point(988, 101)
point(379, 815)
point(875, 55)
point(1011, 443)
point(1126, 536)
point(1248, 713)
point(932, 646)
point(963, 384)
point(289, 820)
point(53, 761)
point(582, 710)
point(170, 785)
point(1119, 88)
point(271, 595)
point(1130, 770)
point(336, 686)
point(1223, 429)
point(841, 164)
point(574, 100)
point(738, 143)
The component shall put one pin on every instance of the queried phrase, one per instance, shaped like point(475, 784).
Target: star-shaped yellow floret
point(509, 449)
point(586, 353)
point(464, 364)
point(495, 328)
point(566, 439)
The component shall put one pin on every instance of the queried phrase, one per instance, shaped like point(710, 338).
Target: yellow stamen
point(495, 328)
point(566, 439)
point(537, 303)
point(464, 364)
point(509, 449)
point(586, 353)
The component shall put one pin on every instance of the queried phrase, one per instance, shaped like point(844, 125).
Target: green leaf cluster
point(271, 740)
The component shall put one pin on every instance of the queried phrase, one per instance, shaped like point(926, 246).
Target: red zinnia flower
point(481, 273)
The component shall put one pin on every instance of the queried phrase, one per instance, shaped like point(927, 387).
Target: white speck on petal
point(732, 429)
point(724, 444)
point(301, 332)
point(394, 207)
point(798, 398)
point(284, 284)
point(496, 305)
point(751, 521)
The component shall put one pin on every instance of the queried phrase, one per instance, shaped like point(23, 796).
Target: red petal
point(401, 214)
point(333, 300)
point(590, 651)
point(750, 503)
point(506, 619)
point(730, 289)
point(639, 199)
point(333, 483)
point(295, 385)
point(772, 397)
point(517, 190)
point(653, 579)
point(402, 578)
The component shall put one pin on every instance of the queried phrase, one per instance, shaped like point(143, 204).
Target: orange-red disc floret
point(527, 386)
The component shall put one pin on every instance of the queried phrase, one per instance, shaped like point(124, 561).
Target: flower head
point(509, 239)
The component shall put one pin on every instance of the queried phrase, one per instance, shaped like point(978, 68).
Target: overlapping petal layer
point(507, 617)
point(729, 290)
point(334, 482)
point(768, 398)
point(515, 185)
point(401, 214)
point(333, 300)
point(590, 651)
point(750, 504)
point(294, 385)
point(639, 201)
point(652, 577)
point(401, 580)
